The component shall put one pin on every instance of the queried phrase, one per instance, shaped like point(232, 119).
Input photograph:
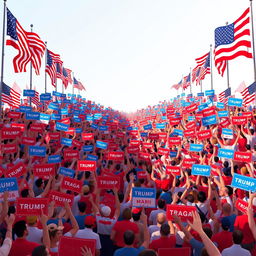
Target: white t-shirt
point(35, 235)
point(105, 224)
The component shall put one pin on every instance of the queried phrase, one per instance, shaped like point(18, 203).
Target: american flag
point(232, 41)
point(10, 96)
point(59, 71)
point(15, 95)
point(198, 76)
point(249, 93)
point(177, 86)
point(205, 69)
point(66, 76)
point(241, 87)
point(78, 85)
point(186, 82)
point(200, 63)
point(51, 61)
point(223, 97)
point(29, 45)
point(35, 100)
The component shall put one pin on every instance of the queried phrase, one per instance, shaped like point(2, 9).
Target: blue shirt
point(129, 251)
point(80, 220)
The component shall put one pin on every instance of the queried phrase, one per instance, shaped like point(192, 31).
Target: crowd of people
point(156, 153)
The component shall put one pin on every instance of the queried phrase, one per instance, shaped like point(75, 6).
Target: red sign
point(242, 206)
point(60, 198)
point(247, 114)
point(14, 115)
point(191, 108)
point(162, 135)
point(163, 151)
point(54, 135)
point(188, 162)
point(9, 148)
point(36, 127)
point(116, 156)
point(70, 154)
point(174, 251)
point(10, 133)
point(142, 175)
point(173, 169)
point(42, 170)
point(205, 134)
point(182, 211)
point(120, 135)
point(144, 156)
point(86, 165)
point(225, 123)
point(190, 133)
point(153, 136)
point(65, 120)
point(238, 120)
point(87, 136)
point(209, 111)
point(19, 126)
point(72, 184)
point(32, 206)
point(133, 150)
point(191, 125)
point(134, 133)
point(174, 140)
point(28, 141)
point(243, 156)
point(174, 121)
point(199, 116)
point(16, 171)
point(108, 182)
point(134, 143)
point(77, 143)
point(148, 145)
point(72, 246)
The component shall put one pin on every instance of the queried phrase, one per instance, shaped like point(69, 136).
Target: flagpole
point(30, 87)
point(201, 86)
point(73, 84)
point(45, 75)
point(211, 66)
point(190, 81)
point(2, 60)
point(228, 75)
point(253, 44)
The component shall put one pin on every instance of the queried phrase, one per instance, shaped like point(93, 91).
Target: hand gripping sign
point(144, 197)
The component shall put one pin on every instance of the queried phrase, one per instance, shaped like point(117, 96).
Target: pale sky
point(128, 53)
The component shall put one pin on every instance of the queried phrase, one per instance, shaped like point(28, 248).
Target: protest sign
point(60, 198)
point(226, 153)
point(86, 165)
point(10, 185)
point(144, 197)
point(32, 206)
point(10, 133)
point(66, 172)
point(37, 151)
point(243, 182)
point(173, 170)
point(186, 251)
point(42, 170)
point(17, 170)
point(196, 147)
point(71, 154)
point(243, 157)
point(182, 211)
point(108, 182)
point(72, 184)
point(116, 156)
point(203, 170)
point(54, 159)
point(227, 133)
point(101, 144)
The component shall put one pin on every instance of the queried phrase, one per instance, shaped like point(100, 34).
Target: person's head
point(190, 198)
point(136, 212)
point(216, 159)
point(90, 221)
point(129, 237)
point(204, 179)
point(208, 232)
point(86, 190)
point(105, 211)
point(148, 252)
point(39, 183)
point(161, 204)
point(31, 220)
point(165, 230)
point(201, 197)
point(20, 229)
point(127, 214)
point(55, 232)
point(161, 218)
point(226, 209)
point(223, 191)
point(81, 206)
point(24, 193)
point(226, 164)
point(40, 250)
point(237, 237)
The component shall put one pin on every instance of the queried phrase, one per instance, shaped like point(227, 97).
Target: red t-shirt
point(22, 247)
point(120, 227)
point(241, 144)
point(241, 223)
point(163, 242)
point(223, 239)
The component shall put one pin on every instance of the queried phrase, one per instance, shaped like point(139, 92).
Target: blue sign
point(63, 95)
point(144, 197)
point(88, 148)
point(209, 93)
point(66, 172)
point(32, 115)
point(37, 151)
point(57, 94)
point(200, 94)
point(226, 153)
point(173, 153)
point(94, 126)
point(62, 127)
point(220, 105)
point(66, 142)
point(45, 97)
point(178, 132)
point(199, 169)
point(29, 93)
point(209, 120)
point(147, 127)
point(202, 106)
point(164, 117)
point(103, 128)
point(97, 116)
point(25, 109)
point(44, 117)
point(234, 102)
point(78, 130)
point(160, 126)
point(63, 111)
point(66, 101)
point(196, 147)
point(227, 133)
point(144, 134)
point(191, 118)
point(89, 118)
point(101, 144)
point(56, 117)
point(54, 159)
point(53, 106)
point(92, 158)
point(243, 182)
point(77, 120)
point(223, 113)
point(11, 185)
